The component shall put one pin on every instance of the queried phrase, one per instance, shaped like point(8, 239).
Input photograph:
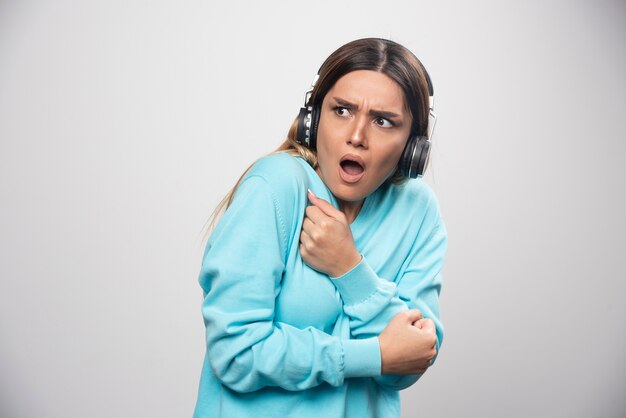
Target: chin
point(349, 194)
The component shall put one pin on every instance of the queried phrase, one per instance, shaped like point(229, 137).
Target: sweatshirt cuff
point(357, 284)
point(361, 358)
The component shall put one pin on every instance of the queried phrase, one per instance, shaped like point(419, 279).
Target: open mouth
point(352, 168)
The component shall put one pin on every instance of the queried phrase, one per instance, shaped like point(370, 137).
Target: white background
point(123, 123)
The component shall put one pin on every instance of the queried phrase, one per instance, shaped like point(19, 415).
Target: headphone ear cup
point(315, 120)
point(414, 157)
point(303, 131)
point(306, 133)
point(405, 159)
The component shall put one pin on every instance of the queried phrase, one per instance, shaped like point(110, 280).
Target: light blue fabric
point(284, 340)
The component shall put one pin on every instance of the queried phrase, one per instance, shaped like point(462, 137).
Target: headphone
point(414, 158)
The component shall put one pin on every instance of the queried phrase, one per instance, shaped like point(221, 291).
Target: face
point(362, 131)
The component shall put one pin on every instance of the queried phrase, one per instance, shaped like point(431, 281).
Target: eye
point(383, 123)
point(341, 111)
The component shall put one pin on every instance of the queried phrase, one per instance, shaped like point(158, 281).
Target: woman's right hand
point(407, 344)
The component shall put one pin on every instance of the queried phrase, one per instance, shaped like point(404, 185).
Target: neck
point(350, 209)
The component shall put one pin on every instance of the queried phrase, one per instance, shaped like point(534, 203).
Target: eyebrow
point(352, 106)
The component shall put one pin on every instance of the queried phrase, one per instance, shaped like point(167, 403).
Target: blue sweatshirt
point(284, 340)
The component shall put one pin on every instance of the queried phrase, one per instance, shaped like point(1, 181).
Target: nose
point(358, 135)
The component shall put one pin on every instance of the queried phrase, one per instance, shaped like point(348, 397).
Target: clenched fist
point(326, 242)
point(407, 344)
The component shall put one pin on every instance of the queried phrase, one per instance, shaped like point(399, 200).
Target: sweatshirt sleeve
point(241, 277)
point(371, 301)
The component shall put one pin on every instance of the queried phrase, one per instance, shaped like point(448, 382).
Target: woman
point(321, 280)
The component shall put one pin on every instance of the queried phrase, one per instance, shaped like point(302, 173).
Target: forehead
point(371, 88)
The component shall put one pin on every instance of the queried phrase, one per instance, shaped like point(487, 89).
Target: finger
point(305, 238)
point(315, 214)
point(308, 227)
point(428, 325)
point(325, 206)
point(413, 315)
point(303, 251)
point(306, 243)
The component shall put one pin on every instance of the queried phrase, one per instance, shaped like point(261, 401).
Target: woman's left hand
point(326, 242)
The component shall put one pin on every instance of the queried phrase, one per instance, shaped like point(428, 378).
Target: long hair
point(374, 54)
